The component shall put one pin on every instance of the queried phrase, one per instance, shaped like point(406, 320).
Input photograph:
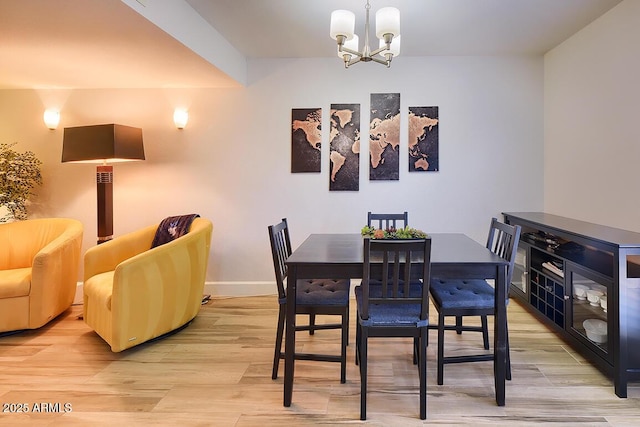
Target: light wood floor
point(217, 372)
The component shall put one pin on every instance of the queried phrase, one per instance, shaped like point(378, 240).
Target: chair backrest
point(386, 221)
point(21, 241)
point(280, 251)
point(503, 240)
point(388, 262)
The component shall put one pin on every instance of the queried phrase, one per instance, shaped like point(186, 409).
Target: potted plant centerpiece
point(19, 174)
point(393, 233)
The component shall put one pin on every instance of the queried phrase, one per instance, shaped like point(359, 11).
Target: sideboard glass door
point(589, 308)
point(519, 279)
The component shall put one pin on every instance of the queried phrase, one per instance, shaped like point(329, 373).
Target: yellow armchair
point(39, 261)
point(133, 294)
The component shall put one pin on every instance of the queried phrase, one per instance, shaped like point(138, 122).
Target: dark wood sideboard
point(559, 259)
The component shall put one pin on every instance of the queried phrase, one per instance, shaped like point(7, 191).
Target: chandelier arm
point(350, 51)
point(382, 49)
point(380, 61)
point(353, 61)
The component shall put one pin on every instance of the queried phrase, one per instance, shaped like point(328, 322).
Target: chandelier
point(387, 30)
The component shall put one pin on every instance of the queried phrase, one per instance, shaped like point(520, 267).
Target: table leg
point(500, 335)
point(290, 335)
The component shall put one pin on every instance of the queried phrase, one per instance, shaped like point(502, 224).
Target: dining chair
point(386, 221)
point(460, 298)
point(313, 297)
point(394, 308)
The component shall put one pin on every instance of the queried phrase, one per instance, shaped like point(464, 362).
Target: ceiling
point(107, 44)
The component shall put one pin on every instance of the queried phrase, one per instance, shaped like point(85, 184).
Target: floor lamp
point(103, 144)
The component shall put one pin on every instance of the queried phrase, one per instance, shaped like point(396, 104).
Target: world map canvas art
point(306, 139)
point(384, 137)
point(423, 139)
point(344, 147)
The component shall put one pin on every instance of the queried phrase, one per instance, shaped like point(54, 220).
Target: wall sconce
point(180, 118)
point(51, 119)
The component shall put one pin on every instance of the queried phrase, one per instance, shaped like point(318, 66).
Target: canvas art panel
point(423, 139)
point(306, 139)
point(384, 137)
point(344, 151)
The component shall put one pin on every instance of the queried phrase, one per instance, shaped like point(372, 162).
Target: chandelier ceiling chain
point(342, 30)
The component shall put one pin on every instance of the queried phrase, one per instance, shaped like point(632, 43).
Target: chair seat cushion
point(323, 292)
point(15, 282)
point(381, 314)
point(99, 289)
point(475, 294)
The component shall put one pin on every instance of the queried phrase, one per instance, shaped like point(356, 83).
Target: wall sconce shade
point(102, 143)
point(180, 118)
point(51, 119)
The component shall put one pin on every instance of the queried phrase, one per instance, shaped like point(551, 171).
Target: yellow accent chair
point(133, 294)
point(39, 261)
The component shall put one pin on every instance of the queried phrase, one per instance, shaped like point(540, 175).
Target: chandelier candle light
point(342, 30)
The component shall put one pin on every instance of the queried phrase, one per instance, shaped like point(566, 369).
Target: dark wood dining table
point(453, 255)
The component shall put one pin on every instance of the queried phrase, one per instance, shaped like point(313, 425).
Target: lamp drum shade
point(101, 143)
point(342, 23)
point(387, 22)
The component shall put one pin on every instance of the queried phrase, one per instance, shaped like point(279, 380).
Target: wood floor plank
point(217, 372)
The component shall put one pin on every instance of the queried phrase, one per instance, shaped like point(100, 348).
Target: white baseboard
point(237, 289)
point(77, 300)
point(217, 289)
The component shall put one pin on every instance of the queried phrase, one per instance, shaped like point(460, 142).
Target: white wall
point(232, 162)
point(592, 143)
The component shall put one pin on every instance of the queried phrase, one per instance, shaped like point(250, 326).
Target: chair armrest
point(54, 271)
point(106, 256)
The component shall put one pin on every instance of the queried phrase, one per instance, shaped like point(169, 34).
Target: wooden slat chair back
point(385, 221)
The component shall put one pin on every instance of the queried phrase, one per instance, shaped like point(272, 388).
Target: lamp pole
point(104, 181)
